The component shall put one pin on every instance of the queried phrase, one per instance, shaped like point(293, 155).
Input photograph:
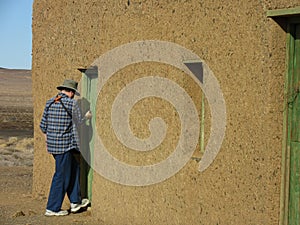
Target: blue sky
point(15, 34)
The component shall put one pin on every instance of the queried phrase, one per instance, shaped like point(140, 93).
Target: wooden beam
point(283, 12)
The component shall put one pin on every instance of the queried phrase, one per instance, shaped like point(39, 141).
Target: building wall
point(246, 52)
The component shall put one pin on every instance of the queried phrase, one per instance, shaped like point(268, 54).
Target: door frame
point(287, 19)
point(285, 207)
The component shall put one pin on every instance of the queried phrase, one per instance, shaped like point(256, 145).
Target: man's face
point(69, 93)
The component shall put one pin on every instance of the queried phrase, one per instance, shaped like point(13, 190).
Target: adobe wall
point(246, 52)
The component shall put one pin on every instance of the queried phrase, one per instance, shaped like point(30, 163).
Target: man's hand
point(88, 115)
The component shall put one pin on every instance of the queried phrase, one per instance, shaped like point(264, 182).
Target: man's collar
point(63, 95)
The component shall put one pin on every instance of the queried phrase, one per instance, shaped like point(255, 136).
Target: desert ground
point(17, 206)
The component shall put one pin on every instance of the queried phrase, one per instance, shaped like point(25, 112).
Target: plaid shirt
point(59, 126)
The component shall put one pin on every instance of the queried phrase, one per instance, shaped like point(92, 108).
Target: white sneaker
point(75, 207)
point(60, 213)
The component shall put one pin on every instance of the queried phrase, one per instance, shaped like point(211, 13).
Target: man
point(60, 117)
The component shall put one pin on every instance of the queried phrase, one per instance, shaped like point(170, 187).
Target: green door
point(294, 126)
point(87, 102)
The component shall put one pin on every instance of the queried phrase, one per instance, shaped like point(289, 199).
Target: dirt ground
point(17, 206)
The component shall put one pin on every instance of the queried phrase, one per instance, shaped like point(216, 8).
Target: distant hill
point(16, 71)
point(15, 82)
point(16, 105)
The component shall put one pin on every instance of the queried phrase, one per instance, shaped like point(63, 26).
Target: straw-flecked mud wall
point(243, 48)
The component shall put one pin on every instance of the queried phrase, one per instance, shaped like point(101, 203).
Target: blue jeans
point(65, 180)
